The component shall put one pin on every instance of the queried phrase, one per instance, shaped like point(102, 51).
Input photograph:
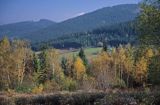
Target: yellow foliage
point(149, 53)
point(121, 53)
point(79, 68)
point(10, 91)
point(99, 64)
point(37, 89)
point(141, 69)
point(4, 44)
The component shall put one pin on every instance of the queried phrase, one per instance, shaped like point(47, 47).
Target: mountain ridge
point(19, 29)
point(106, 16)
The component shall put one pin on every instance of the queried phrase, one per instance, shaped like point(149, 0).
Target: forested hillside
point(102, 17)
point(22, 29)
point(45, 30)
point(114, 35)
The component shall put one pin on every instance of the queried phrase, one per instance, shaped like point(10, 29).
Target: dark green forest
point(122, 33)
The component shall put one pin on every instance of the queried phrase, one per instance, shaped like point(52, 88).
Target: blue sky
point(57, 10)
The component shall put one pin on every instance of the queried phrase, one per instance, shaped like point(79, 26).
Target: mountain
point(103, 17)
point(21, 29)
point(44, 30)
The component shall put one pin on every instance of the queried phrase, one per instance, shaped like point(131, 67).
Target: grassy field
point(90, 52)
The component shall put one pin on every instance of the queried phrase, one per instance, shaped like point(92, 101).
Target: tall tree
point(79, 68)
point(21, 52)
point(141, 70)
point(105, 48)
point(149, 24)
point(64, 65)
point(154, 71)
point(5, 63)
point(83, 57)
point(36, 61)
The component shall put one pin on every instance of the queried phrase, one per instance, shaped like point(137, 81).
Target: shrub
point(69, 84)
point(51, 86)
point(37, 89)
point(24, 89)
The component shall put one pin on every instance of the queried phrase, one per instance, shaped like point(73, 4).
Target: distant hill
point(102, 17)
point(44, 30)
point(21, 29)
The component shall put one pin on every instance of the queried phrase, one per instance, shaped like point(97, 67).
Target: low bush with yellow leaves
point(37, 89)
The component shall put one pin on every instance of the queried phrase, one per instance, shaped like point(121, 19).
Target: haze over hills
point(103, 17)
point(20, 29)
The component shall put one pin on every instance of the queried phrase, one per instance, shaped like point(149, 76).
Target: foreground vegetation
point(84, 98)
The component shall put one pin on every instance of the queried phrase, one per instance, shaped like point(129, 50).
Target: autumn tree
point(54, 69)
point(15, 58)
point(122, 58)
point(79, 68)
point(141, 70)
point(149, 23)
point(22, 53)
point(5, 75)
point(101, 70)
point(129, 65)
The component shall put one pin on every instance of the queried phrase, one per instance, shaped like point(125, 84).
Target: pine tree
point(36, 61)
point(64, 65)
point(105, 48)
point(83, 57)
point(43, 71)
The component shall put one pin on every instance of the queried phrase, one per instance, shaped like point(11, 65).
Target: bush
point(37, 89)
point(69, 84)
point(24, 89)
point(51, 86)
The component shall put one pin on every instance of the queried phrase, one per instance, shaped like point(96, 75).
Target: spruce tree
point(36, 62)
point(105, 47)
point(64, 65)
point(44, 68)
point(83, 57)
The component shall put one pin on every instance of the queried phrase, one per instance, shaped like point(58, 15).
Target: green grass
point(90, 52)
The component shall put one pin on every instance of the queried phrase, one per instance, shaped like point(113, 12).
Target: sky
point(12, 11)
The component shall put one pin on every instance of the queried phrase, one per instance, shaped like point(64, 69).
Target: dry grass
point(118, 97)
